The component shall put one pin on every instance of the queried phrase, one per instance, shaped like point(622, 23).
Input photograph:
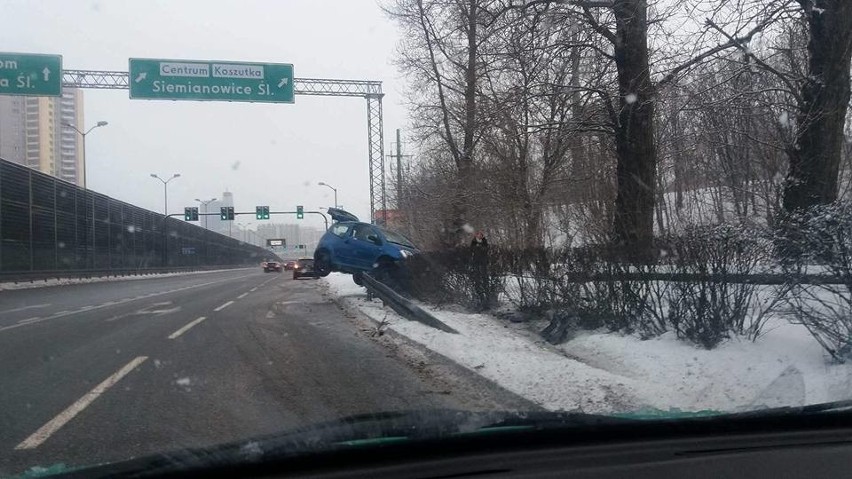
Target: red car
point(290, 265)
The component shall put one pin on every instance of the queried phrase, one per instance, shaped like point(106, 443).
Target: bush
point(444, 277)
point(820, 241)
point(594, 287)
point(713, 304)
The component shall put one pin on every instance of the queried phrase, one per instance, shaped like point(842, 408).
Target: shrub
point(820, 241)
point(714, 303)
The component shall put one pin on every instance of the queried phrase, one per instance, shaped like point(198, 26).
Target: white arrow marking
point(46, 73)
point(283, 82)
point(141, 77)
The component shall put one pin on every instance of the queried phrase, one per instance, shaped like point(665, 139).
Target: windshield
point(397, 238)
point(628, 208)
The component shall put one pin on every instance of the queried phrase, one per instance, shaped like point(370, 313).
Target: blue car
point(354, 247)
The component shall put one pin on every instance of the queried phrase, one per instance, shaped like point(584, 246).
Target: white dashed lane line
point(24, 308)
point(186, 328)
point(62, 314)
point(44, 432)
point(242, 296)
point(253, 290)
point(220, 308)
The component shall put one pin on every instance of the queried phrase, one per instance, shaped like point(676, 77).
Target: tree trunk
point(815, 159)
point(635, 145)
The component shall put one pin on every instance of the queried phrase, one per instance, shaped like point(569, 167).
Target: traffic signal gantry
point(227, 213)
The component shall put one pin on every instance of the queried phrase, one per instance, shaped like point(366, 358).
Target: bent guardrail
point(402, 305)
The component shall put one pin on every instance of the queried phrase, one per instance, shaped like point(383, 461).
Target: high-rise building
point(33, 133)
point(214, 222)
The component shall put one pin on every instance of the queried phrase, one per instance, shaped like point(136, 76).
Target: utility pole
point(398, 156)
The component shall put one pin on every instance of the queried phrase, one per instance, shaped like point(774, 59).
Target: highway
point(103, 372)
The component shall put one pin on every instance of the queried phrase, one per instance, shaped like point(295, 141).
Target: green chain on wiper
point(493, 430)
point(373, 441)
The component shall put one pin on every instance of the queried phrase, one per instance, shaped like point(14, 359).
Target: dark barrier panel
point(48, 224)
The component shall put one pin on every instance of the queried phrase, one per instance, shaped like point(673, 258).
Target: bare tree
point(442, 53)
point(823, 102)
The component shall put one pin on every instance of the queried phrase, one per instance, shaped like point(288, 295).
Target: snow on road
point(601, 372)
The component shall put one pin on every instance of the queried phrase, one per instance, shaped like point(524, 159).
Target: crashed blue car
point(351, 246)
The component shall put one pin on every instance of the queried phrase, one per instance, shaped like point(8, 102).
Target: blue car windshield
point(397, 238)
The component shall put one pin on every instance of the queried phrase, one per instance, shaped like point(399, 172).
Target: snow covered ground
point(609, 373)
point(10, 285)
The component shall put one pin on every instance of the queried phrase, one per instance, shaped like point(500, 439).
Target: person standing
point(479, 262)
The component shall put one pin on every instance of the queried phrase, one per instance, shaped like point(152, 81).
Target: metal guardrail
point(754, 278)
point(33, 276)
point(402, 305)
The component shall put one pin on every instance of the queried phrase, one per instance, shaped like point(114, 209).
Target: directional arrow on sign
point(283, 82)
point(31, 74)
point(141, 77)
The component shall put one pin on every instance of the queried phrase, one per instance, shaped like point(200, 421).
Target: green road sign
point(210, 80)
point(30, 74)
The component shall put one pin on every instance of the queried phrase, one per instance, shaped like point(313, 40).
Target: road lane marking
point(44, 432)
point(62, 314)
point(252, 290)
point(220, 308)
point(24, 308)
point(29, 320)
point(242, 296)
point(186, 328)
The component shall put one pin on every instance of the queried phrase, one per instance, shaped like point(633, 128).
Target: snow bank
point(607, 373)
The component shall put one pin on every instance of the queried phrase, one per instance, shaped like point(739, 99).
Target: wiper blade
point(348, 433)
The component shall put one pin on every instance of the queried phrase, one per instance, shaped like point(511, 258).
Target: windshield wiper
point(453, 429)
point(355, 432)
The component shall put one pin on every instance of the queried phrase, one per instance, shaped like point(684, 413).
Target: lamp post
point(204, 204)
point(83, 134)
point(321, 183)
point(245, 230)
point(165, 191)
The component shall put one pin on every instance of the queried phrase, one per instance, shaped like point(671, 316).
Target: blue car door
point(365, 246)
point(343, 246)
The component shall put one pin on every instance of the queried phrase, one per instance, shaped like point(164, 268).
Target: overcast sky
point(266, 154)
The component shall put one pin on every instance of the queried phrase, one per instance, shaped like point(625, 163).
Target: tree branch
point(793, 89)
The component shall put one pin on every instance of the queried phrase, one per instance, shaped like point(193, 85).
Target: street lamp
point(245, 230)
point(204, 204)
point(321, 183)
point(83, 134)
point(165, 191)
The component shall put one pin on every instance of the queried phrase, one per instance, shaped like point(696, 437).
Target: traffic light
point(226, 213)
point(262, 212)
point(190, 213)
point(300, 212)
